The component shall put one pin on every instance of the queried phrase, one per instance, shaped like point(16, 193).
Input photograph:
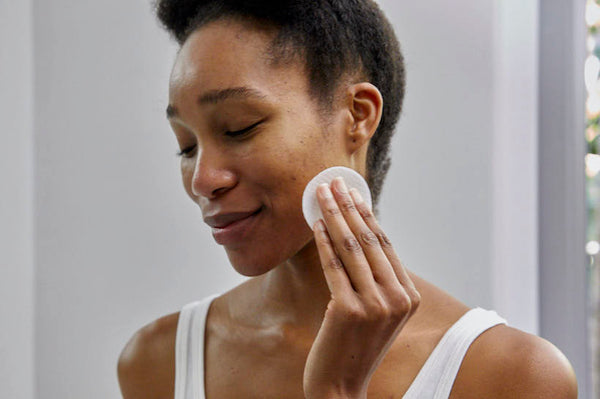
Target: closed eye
point(241, 132)
point(233, 134)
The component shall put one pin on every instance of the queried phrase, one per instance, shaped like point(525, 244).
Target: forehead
point(227, 53)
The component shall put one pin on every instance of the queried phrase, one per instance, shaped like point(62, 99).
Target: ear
point(365, 106)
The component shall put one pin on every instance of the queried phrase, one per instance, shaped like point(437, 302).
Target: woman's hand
point(372, 297)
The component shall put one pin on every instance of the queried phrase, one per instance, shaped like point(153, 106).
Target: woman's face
point(253, 139)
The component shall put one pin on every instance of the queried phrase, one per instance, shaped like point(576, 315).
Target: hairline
point(281, 52)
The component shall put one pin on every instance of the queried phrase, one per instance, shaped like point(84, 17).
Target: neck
point(296, 290)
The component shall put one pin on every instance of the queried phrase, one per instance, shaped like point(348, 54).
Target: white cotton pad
point(310, 204)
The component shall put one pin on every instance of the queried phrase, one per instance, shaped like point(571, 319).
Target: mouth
point(222, 220)
point(236, 228)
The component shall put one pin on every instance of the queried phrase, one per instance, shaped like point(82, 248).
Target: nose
point(211, 176)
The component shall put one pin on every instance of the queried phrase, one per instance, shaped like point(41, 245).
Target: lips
point(221, 220)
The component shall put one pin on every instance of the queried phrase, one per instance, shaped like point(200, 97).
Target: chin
point(257, 261)
point(247, 266)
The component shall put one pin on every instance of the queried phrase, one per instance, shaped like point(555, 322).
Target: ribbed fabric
point(434, 381)
point(189, 350)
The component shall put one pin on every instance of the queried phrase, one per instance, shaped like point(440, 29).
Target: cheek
point(290, 172)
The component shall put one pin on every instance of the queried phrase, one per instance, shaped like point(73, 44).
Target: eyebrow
point(216, 96)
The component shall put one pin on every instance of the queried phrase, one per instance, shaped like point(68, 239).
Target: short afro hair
point(335, 38)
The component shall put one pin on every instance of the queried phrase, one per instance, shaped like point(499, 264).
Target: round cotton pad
point(310, 204)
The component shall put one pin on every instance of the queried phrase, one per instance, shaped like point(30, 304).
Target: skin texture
point(370, 324)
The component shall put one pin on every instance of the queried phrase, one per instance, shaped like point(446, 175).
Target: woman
point(263, 96)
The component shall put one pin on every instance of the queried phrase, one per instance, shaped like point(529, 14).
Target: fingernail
point(356, 196)
point(325, 191)
point(341, 185)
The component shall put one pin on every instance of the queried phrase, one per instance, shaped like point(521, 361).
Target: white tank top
point(434, 380)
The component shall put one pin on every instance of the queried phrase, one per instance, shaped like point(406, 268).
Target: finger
point(381, 268)
point(369, 218)
point(335, 274)
point(344, 241)
point(400, 271)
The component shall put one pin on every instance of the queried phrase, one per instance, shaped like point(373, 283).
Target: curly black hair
point(335, 38)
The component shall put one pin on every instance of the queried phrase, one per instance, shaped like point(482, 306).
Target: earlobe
point(366, 108)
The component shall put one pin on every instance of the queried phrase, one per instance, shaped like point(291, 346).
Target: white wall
point(460, 199)
point(437, 203)
point(16, 205)
point(514, 256)
point(118, 243)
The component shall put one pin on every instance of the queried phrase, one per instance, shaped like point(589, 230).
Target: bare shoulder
point(146, 367)
point(508, 363)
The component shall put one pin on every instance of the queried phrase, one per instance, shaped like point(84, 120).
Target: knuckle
point(335, 263)
point(365, 211)
point(351, 245)
point(332, 211)
point(384, 240)
point(415, 299)
point(378, 309)
point(369, 238)
point(353, 313)
point(356, 314)
point(401, 304)
point(347, 205)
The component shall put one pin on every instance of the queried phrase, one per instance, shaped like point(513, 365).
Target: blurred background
point(486, 196)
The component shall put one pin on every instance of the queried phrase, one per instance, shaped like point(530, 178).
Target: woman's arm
point(146, 368)
point(508, 363)
point(372, 297)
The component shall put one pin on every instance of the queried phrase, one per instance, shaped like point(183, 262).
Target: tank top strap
point(436, 377)
point(189, 349)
